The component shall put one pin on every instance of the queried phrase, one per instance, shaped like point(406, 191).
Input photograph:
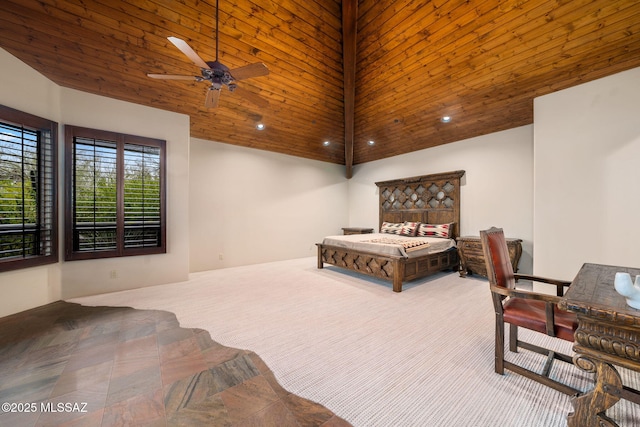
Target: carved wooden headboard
point(431, 199)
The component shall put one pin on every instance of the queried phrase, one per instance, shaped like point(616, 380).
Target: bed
point(427, 202)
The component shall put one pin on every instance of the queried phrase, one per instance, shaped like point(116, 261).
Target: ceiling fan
point(218, 74)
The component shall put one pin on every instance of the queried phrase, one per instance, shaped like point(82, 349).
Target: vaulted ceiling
point(481, 62)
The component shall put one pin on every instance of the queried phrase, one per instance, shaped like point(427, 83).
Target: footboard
point(382, 267)
point(395, 269)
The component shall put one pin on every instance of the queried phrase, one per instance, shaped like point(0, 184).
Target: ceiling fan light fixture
point(445, 119)
point(260, 126)
point(217, 74)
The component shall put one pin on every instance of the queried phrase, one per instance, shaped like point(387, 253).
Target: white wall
point(88, 277)
point(25, 89)
point(250, 206)
point(586, 168)
point(497, 188)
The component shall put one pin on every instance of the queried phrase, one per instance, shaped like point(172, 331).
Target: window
point(28, 180)
point(115, 204)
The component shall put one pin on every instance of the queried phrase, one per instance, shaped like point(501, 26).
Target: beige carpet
point(423, 357)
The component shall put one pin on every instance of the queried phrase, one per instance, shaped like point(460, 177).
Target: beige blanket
point(376, 243)
point(409, 245)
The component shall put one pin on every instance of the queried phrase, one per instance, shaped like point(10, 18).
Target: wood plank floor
point(64, 364)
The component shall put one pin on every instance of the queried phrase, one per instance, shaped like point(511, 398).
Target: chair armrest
point(519, 293)
point(542, 279)
point(559, 284)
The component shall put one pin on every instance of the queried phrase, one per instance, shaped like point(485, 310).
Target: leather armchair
point(521, 308)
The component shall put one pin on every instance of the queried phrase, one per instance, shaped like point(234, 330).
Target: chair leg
point(513, 338)
point(543, 377)
point(499, 356)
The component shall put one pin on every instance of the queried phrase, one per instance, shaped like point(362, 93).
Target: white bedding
point(367, 242)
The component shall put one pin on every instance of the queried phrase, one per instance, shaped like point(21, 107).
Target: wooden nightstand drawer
point(472, 257)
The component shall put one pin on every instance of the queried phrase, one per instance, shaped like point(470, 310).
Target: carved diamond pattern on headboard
point(432, 199)
point(412, 197)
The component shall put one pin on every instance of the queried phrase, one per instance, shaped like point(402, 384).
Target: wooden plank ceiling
point(482, 62)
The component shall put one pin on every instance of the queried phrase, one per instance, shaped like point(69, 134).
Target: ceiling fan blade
point(213, 95)
point(251, 70)
point(252, 97)
point(171, 77)
point(190, 53)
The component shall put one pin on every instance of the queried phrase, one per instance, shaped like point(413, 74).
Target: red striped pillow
point(435, 230)
point(409, 228)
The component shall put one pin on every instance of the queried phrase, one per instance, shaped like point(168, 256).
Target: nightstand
point(356, 230)
point(472, 257)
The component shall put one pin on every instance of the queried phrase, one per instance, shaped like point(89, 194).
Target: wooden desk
point(608, 334)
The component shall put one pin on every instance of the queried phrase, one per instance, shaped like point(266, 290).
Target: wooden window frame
point(47, 189)
point(120, 140)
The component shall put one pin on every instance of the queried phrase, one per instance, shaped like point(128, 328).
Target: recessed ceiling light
point(445, 119)
point(371, 142)
point(326, 143)
point(260, 126)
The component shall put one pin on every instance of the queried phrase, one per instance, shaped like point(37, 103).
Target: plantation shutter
point(142, 196)
point(28, 208)
point(48, 204)
point(18, 199)
point(95, 195)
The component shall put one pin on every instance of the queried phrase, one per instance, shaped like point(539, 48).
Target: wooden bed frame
point(431, 199)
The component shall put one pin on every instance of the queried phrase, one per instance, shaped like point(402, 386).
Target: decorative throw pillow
point(391, 227)
point(435, 230)
point(409, 228)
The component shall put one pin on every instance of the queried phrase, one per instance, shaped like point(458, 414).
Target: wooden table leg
point(590, 407)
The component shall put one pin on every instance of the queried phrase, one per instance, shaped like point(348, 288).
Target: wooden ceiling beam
point(349, 35)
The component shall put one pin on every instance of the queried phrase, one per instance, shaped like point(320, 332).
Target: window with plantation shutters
point(116, 203)
point(28, 180)
point(142, 207)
